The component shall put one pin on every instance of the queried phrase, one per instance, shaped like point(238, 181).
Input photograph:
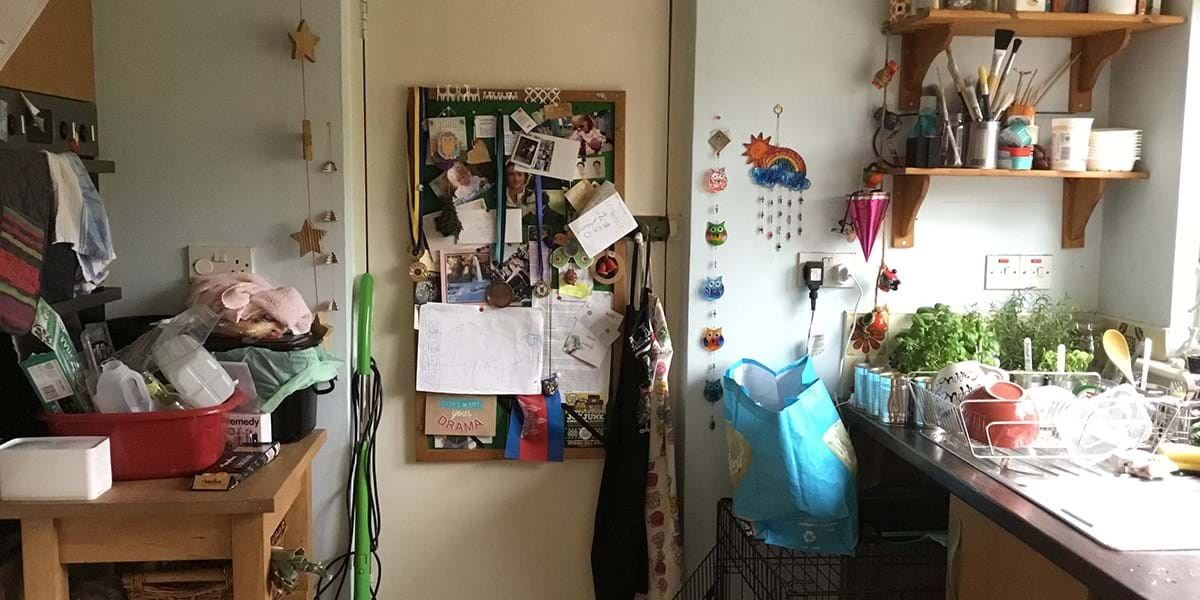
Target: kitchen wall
point(200, 107)
point(1151, 242)
point(817, 60)
point(500, 530)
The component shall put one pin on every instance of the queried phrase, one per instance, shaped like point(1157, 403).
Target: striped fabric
point(26, 212)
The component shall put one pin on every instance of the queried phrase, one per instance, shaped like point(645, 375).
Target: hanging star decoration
point(304, 42)
point(309, 238)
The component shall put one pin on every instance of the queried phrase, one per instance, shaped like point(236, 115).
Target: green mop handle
point(364, 302)
point(362, 528)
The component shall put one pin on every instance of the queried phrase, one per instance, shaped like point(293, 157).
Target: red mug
point(1000, 402)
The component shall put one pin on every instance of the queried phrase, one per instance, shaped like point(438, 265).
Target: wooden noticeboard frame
point(419, 103)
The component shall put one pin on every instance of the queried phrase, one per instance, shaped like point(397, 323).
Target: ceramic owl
point(714, 288)
point(712, 339)
point(716, 234)
point(713, 391)
point(715, 180)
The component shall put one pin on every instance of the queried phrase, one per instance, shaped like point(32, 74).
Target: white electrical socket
point(830, 260)
point(1037, 272)
point(1003, 272)
point(206, 260)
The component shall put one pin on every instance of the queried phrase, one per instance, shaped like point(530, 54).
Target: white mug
point(956, 381)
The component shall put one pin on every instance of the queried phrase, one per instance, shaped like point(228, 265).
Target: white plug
point(838, 276)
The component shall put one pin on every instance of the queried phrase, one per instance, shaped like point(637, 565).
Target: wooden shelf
point(951, 172)
point(1082, 191)
point(1098, 38)
point(1032, 24)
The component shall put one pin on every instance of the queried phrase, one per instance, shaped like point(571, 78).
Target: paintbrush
point(1053, 80)
point(967, 96)
point(1002, 38)
point(983, 93)
point(946, 120)
point(998, 91)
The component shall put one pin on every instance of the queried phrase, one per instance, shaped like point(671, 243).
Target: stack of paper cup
point(1114, 149)
point(1071, 140)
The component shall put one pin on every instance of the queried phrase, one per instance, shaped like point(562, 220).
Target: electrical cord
point(366, 413)
point(850, 333)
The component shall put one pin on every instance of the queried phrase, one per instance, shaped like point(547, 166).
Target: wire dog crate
point(743, 567)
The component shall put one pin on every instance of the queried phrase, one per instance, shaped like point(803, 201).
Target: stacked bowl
point(1114, 149)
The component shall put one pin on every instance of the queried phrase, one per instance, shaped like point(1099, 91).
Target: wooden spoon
point(1117, 350)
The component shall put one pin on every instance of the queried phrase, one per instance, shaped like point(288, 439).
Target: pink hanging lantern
point(867, 210)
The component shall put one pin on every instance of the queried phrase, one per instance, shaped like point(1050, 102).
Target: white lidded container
point(55, 468)
point(196, 375)
point(1071, 142)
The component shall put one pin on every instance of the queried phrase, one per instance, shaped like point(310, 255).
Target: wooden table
point(163, 519)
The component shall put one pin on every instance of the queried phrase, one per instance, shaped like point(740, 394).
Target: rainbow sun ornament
point(776, 165)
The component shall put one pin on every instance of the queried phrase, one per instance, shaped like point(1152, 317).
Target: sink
point(1117, 511)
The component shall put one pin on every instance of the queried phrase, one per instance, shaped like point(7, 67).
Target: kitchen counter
point(1111, 575)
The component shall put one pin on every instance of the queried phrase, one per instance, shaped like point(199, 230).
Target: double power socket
point(1019, 272)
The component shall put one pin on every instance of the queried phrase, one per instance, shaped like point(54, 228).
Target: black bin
point(296, 416)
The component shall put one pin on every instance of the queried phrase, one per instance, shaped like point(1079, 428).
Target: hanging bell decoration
point(329, 167)
point(331, 258)
point(332, 306)
point(867, 210)
point(330, 217)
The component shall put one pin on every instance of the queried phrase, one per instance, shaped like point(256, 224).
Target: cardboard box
point(235, 466)
point(246, 428)
point(48, 327)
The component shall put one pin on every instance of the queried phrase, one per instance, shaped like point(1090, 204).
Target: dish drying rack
point(1058, 448)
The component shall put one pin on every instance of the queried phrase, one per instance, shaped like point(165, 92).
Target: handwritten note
point(603, 225)
point(463, 350)
point(460, 415)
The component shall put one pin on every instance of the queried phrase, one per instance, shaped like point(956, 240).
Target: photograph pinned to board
point(485, 127)
point(460, 415)
point(466, 275)
point(447, 140)
point(518, 189)
point(523, 120)
point(545, 155)
point(465, 350)
point(462, 183)
point(461, 442)
point(593, 132)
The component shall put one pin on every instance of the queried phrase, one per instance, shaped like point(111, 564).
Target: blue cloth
point(791, 459)
point(95, 248)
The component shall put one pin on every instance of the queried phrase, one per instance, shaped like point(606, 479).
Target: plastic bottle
point(196, 375)
point(121, 389)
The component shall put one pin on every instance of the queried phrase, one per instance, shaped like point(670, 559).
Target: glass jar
point(1089, 337)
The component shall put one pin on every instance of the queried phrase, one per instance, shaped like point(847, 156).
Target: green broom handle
point(363, 304)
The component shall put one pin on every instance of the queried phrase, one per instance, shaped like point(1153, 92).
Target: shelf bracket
point(1097, 50)
point(1080, 197)
point(917, 52)
point(908, 193)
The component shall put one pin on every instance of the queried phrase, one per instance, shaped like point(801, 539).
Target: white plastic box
point(55, 468)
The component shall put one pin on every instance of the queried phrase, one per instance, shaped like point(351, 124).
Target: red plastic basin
point(154, 445)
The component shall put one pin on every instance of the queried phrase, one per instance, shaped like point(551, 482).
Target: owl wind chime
point(781, 174)
point(712, 289)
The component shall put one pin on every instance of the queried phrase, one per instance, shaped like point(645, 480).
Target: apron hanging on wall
point(620, 563)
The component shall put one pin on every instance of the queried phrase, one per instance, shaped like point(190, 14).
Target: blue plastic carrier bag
point(790, 458)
